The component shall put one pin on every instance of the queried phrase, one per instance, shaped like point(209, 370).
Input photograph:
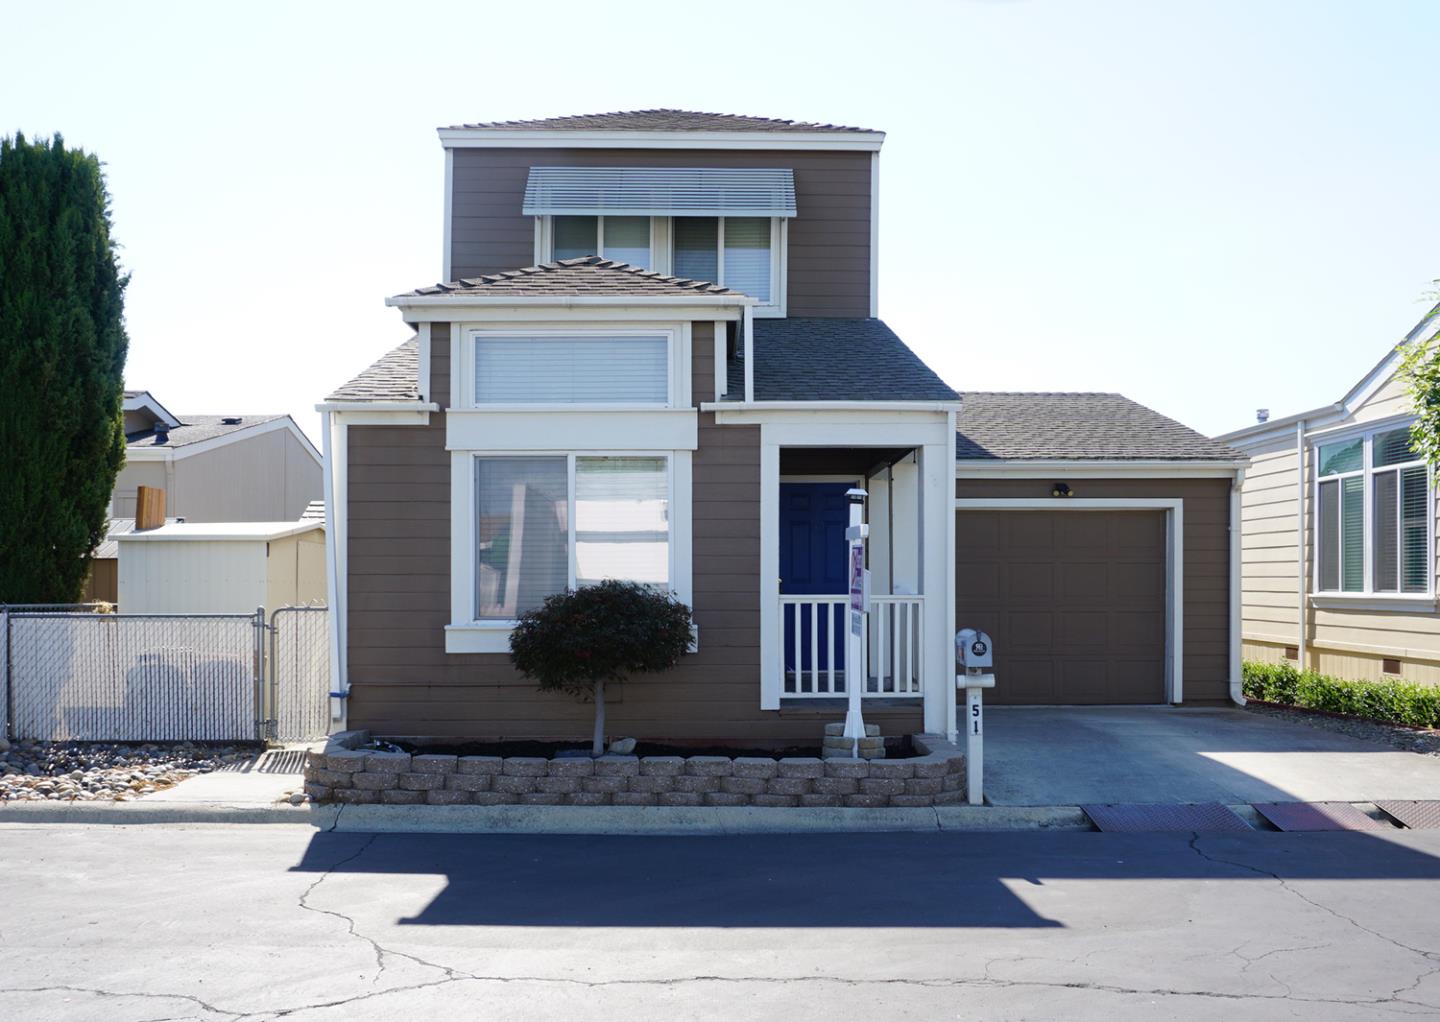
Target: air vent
point(230, 420)
point(1390, 666)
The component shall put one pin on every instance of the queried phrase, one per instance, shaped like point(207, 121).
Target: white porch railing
point(812, 652)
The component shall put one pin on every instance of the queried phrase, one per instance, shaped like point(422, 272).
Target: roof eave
point(458, 297)
point(620, 138)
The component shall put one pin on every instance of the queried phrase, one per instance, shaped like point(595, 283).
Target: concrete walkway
point(1073, 755)
point(259, 781)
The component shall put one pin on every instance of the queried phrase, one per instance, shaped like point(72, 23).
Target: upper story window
point(1374, 515)
point(593, 368)
point(626, 239)
point(734, 251)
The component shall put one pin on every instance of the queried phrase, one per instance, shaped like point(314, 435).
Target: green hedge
point(1396, 702)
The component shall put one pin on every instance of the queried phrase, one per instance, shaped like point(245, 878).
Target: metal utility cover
point(1421, 815)
point(1139, 817)
point(1317, 816)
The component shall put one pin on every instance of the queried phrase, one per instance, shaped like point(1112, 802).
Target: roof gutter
point(377, 406)
point(469, 297)
point(829, 406)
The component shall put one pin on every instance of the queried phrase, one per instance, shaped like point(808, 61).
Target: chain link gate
point(299, 691)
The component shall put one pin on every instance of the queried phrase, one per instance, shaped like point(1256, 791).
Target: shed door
point(1073, 600)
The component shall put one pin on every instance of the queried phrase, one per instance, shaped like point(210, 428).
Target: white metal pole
point(975, 746)
point(855, 667)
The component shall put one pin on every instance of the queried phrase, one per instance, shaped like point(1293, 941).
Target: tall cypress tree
point(62, 361)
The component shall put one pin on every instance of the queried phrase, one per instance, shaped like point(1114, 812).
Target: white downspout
point(1300, 565)
point(1237, 693)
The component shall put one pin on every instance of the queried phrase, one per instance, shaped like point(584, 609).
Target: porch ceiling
point(857, 461)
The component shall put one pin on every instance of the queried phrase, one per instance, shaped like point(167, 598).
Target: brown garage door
point(1074, 601)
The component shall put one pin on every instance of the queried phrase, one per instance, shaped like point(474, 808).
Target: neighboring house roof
point(393, 377)
point(1078, 427)
point(586, 276)
point(222, 531)
point(658, 120)
point(109, 547)
point(1426, 330)
point(834, 360)
point(195, 428)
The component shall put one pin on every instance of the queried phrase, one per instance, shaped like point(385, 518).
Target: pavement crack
point(102, 992)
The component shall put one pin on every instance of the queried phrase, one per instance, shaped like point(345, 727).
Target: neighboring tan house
point(213, 468)
point(657, 357)
point(1339, 552)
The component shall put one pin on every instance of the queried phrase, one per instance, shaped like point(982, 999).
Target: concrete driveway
point(1071, 755)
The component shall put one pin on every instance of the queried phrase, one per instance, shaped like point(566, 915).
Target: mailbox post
point(975, 656)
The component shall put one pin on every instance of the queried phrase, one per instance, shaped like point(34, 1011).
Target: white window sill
point(1403, 603)
point(479, 637)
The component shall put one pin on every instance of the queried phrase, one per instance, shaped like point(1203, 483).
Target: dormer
point(783, 211)
point(144, 414)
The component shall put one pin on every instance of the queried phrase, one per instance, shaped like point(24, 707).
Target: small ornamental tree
point(577, 641)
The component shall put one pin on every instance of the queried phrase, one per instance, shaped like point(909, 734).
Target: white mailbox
point(973, 649)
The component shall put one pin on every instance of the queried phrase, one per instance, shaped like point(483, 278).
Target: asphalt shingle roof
point(195, 428)
point(1078, 426)
point(572, 278)
point(835, 360)
point(659, 120)
point(394, 376)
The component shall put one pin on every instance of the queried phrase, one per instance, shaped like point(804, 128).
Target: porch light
point(1061, 490)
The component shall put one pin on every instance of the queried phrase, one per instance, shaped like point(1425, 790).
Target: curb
point(600, 820)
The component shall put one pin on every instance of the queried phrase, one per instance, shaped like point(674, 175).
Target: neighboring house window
point(736, 252)
point(562, 369)
point(1373, 508)
point(626, 239)
point(550, 523)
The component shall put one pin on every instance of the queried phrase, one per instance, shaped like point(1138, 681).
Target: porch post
point(771, 641)
point(855, 634)
point(937, 566)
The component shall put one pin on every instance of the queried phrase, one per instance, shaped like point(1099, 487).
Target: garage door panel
point(1028, 582)
point(1075, 602)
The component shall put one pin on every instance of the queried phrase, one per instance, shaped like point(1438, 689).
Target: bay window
point(549, 523)
point(1373, 515)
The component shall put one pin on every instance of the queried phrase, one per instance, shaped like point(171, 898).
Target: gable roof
point(1426, 330)
point(660, 119)
point(587, 276)
point(1076, 427)
point(394, 376)
point(834, 360)
point(196, 428)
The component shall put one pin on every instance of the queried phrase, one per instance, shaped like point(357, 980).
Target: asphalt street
point(132, 923)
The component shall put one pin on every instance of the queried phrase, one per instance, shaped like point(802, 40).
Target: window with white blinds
point(552, 369)
point(526, 547)
point(733, 251)
point(1381, 544)
point(626, 239)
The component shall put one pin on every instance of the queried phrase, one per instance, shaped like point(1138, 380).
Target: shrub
point(577, 641)
point(1396, 702)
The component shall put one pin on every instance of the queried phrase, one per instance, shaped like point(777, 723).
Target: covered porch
point(904, 459)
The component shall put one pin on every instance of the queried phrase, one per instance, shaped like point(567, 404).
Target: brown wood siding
point(404, 683)
point(1207, 562)
point(702, 363)
point(829, 241)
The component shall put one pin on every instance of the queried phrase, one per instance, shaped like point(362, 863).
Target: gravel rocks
point(105, 771)
point(1404, 738)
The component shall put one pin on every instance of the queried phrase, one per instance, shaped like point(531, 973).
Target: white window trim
point(662, 253)
point(1368, 597)
point(677, 363)
point(465, 634)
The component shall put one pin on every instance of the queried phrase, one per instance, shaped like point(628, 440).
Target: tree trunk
point(597, 748)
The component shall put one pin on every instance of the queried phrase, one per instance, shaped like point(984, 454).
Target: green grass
point(1394, 702)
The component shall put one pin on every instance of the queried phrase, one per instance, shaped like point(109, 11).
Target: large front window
point(549, 523)
point(1373, 509)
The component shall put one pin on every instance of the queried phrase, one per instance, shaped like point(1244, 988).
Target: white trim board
point(1059, 469)
point(1174, 507)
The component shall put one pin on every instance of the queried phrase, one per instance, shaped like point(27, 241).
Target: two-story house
point(656, 355)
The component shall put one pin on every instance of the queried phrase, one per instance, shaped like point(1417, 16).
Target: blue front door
point(813, 517)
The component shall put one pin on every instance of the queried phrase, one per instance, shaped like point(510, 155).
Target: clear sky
point(1210, 207)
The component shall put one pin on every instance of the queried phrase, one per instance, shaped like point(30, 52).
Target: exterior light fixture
point(1061, 490)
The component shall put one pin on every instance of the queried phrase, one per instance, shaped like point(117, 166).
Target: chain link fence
point(71, 674)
